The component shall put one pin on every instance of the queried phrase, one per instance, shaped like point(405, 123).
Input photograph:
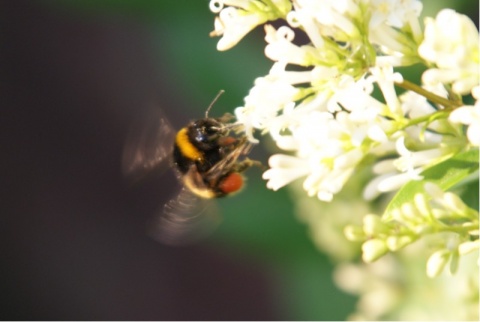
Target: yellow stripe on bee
point(186, 147)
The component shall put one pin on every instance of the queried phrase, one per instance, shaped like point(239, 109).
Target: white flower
point(470, 116)
point(408, 160)
point(270, 95)
point(394, 13)
point(281, 48)
point(385, 78)
point(394, 173)
point(234, 22)
point(318, 141)
point(334, 17)
point(233, 26)
point(452, 44)
point(388, 16)
point(283, 170)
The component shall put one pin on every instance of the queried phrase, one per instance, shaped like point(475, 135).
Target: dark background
point(73, 74)
point(73, 243)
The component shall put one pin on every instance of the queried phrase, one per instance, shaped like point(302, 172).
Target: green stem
point(456, 229)
point(333, 45)
point(426, 118)
point(431, 117)
point(429, 95)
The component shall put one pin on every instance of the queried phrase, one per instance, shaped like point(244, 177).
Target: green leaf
point(445, 175)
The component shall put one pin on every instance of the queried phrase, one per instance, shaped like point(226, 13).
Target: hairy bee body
point(208, 156)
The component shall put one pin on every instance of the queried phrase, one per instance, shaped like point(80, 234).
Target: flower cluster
point(317, 104)
point(386, 293)
point(337, 106)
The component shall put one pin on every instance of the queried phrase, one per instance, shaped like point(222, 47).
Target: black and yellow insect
point(208, 156)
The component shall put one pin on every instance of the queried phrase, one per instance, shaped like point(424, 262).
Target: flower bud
point(436, 262)
point(395, 243)
point(468, 247)
point(354, 233)
point(373, 225)
point(373, 249)
point(454, 203)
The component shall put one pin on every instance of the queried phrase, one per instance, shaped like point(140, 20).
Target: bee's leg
point(230, 144)
point(225, 118)
point(231, 154)
point(242, 147)
point(247, 163)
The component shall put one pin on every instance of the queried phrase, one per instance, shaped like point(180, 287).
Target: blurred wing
point(149, 145)
point(185, 220)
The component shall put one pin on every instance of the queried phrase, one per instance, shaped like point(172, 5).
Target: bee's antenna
point(213, 102)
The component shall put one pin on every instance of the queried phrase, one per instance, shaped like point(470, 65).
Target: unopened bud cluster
point(451, 226)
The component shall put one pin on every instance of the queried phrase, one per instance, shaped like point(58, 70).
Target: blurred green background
point(162, 50)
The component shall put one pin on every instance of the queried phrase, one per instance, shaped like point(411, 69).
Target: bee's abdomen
point(181, 162)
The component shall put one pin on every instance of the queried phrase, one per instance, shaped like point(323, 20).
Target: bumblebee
point(208, 156)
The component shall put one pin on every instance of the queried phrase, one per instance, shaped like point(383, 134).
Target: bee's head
point(206, 132)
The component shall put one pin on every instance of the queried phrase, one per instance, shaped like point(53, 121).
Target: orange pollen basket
point(232, 183)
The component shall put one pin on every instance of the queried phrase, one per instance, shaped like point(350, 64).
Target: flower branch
point(434, 98)
point(332, 108)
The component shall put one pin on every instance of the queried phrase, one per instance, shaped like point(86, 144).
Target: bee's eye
point(207, 132)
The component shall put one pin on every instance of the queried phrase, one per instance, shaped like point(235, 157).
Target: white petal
point(473, 134)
